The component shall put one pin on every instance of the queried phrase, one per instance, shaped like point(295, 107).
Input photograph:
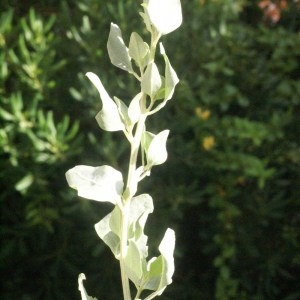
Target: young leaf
point(146, 140)
point(157, 152)
point(138, 49)
point(117, 51)
point(108, 118)
point(151, 81)
point(166, 15)
point(96, 183)
point(171, 78)
point(123, 111)
point(134, 109)
point(84, 295)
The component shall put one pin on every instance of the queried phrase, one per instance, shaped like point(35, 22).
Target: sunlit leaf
point(171, 78)
point(104, 231)
point(161, 269)
point(96, 183)
point(138, 49)
point(134, 262)
point(134, 109)
point(117, 50)
point(84, 295)
point(157, 152)
point(123, 111)
point(165, 15)
point(108, 118)
point(151, 81)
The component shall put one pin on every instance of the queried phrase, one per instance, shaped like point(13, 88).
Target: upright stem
point(123, 250)
point(130, 191)
point(132, 180)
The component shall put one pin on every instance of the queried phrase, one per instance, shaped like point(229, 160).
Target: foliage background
point(231, 185)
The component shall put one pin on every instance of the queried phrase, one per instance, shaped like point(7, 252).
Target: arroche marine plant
point(123, 229)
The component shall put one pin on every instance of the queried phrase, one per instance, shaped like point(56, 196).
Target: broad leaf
point(151, 81)
point(108, 118)
point(109, 230)
point(103, 183)
point(165, 15)
point(117, 50)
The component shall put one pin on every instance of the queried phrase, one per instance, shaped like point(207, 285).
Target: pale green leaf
point(117, 50)
point(84, 295)
point(145, 17)
point(96, 183)
point(157, 152)
point(114, 221)
point(134, 109)
point(166, 15)
point(141, 205)
point(147, 137)
point(166, 249)
point(154, 274)
point(151, 81)
point(123, 111)
point(171, 78)
point(161, 269)
point(138, 49)
point(108, 118)
point(110, 238)
point(134, 262)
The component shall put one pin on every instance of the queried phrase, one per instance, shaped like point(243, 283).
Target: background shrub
point(230, 187)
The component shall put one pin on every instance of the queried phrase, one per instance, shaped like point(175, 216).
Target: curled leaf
point(107, 231)
point(171, 78)
point(161, 269)
point(117, 51)
point(84, 295)
point(108, 118)
point(103, 183)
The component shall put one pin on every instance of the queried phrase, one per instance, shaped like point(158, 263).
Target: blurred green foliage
point(230, 187)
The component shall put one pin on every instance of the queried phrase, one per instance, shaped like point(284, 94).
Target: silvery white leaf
point(108, 118)
point(103, 183)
